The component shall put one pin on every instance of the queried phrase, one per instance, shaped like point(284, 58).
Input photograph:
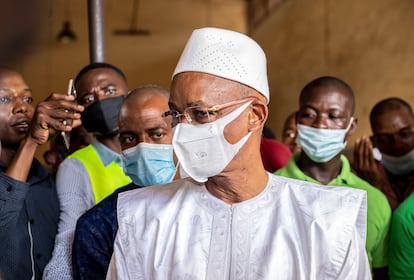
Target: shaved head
point(388, 105)
point(333, 82)
point(146, 91)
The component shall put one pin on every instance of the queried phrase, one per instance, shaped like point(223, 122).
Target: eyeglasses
point(201, 114)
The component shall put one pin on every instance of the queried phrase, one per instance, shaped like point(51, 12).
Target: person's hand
point(364, 163)
point(58, 112)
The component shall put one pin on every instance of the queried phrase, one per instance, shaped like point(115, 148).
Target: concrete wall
point(369, 44)
point(144, 59)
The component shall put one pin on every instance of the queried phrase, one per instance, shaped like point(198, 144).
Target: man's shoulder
point(405, 211)
point(316, 196)
point(155, 200)
point(105, 207)
point(290, 170)
point(87, 150)
point(301, 184)
point(155, 196)
point(373, 193)
point(70, 167)
point(326, 204)
point(39, 175)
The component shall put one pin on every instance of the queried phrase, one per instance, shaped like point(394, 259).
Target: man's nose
point(321, 122)
point(20, 106)
point(98, 93)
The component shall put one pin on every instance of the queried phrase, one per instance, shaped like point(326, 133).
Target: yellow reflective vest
point(104, 179)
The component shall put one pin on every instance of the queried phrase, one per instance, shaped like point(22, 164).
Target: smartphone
point(66, 135)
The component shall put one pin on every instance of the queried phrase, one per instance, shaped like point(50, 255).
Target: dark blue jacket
point(95, 234)
point(29, 215)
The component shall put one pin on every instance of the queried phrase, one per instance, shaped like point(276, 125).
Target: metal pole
point(96, 31)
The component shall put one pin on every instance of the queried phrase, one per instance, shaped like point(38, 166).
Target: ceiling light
point(66, 35)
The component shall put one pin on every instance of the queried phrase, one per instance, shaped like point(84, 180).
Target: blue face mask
point(320, 144)
point(399, 165)
point(149, 164)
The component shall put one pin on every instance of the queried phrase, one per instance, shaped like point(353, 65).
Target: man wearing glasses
point(232, 219)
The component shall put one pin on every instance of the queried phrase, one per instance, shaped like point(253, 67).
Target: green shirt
point(378, 211)
point(401, 257)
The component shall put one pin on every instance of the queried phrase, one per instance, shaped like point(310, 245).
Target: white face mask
point(376, 154)
point(202, 149)
point(399, 165)
point(321, 144)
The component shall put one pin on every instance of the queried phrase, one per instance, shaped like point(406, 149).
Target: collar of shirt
point(36, 174)
point(345, 177)
point(106, 155)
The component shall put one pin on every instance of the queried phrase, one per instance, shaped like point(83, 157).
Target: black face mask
point(101, 118)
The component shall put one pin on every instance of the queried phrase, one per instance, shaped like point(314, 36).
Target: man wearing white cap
point(231, 219)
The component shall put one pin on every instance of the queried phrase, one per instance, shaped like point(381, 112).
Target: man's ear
point(257, 116)
point(353, 126)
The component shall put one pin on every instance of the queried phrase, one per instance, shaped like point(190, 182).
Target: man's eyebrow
point(14, 91)
point(189, 104)
point(123, 132)
point(406, 128)
point(111, 84)
point(157, 127)
point(195, 103)
point(6, 89)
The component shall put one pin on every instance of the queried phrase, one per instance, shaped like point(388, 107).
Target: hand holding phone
point(66, 135)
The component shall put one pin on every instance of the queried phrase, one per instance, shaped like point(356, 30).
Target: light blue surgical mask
point(149, 164)
point(399, 165)
point(321, 144)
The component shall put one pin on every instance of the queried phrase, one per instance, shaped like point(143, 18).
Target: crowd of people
point(189, 183)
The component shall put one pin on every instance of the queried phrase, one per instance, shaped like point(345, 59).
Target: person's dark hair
point(268, 133)
point(327, 81)
point(388, 105)
point(97, 65)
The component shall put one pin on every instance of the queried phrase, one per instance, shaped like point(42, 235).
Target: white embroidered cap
point(227, 54)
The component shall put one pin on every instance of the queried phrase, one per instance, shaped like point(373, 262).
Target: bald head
point(392, 125)
point(145, 92)
point(388, 105)
point(140, 117)
point(332, 83)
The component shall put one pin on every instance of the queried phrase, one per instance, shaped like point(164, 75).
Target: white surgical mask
point(149, 164)
point(202, 149)
point(399, 165)
point(321, 144)
point(376, 154)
